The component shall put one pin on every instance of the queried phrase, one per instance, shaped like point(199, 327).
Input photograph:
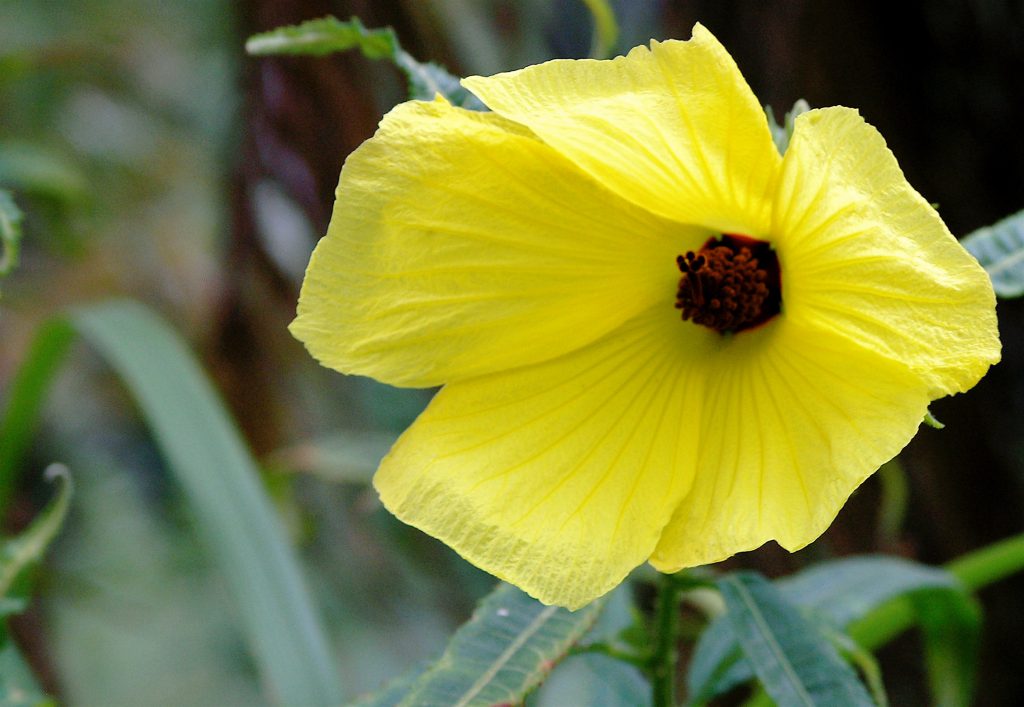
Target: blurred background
point(155, 160)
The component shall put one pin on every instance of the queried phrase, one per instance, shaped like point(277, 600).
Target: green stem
point(989, 564)
point(665, 655)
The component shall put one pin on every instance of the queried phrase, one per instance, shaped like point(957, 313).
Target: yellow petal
point(559, 477)
point(674, 128)
point(864, 256)
point(793, 421)
point(462, 245)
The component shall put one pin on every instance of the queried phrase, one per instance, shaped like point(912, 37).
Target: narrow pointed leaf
point(329, 34)
point(26, 550)
point(41, 173)
point(505, 650)
point(839, 592)
point(427, 79)
point(782, 133)
point(1000, 250)
point(948, 617)
point(794, 662)
point(220, 479)
point(323, 36)
point(219, 476)
point(25, 397)
point(18, 685)
point(847, 589)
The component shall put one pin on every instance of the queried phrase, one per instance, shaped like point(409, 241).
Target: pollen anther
point(730, 284)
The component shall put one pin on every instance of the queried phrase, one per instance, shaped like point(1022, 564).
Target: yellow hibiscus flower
point(658, 338)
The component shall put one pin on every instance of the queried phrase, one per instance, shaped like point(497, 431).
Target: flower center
point(732, 283)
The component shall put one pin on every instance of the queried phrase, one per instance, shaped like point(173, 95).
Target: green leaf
point(18, 686)
point(863, 659)
point(25, 397)
point(329, 34)
point(950, 623)
point(794, 662)
point(136, 610)
point(592, 678)
point(847, 589)
point(717, 665)
point(325, 36)
point(505, 650)
point(782, 134)
point(613, 683)
point(10, 232)
point(39, 172)
point(26, 550)
point(392, 694)
point(839, 592)
point(9, 606)
point(426, 80)
point(1000, 250)
point(220, 479)
point(595, 680)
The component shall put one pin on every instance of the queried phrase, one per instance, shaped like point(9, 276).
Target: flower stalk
point(666, 635)
point(990, 564)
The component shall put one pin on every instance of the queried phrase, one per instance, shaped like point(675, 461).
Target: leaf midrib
point(506, 655)
point(1003, 264)
point(769, 637)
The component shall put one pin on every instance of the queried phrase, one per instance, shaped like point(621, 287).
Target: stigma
point(731, 284)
